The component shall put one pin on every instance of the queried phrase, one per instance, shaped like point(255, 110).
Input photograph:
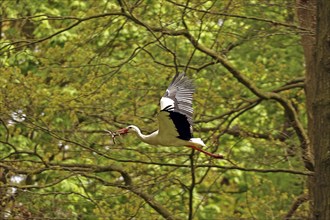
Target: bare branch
point(79, 20)
point(191, 188)
point(299, 201)
point(239, 16)
point(136, 190)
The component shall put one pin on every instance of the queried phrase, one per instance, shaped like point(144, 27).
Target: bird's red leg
point(218, 156)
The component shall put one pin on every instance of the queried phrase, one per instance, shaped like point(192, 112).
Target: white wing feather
point(179, 96)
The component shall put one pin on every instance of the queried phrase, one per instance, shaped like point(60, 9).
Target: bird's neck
point(138, 132)
point(146, 138)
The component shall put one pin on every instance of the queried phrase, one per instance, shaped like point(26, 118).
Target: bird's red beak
point(122, 131)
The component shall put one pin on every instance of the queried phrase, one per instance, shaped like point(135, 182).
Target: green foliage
point(71, 69)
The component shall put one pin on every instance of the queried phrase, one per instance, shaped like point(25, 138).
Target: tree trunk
point(306, 10)
point(321, 112)
point(317, 57)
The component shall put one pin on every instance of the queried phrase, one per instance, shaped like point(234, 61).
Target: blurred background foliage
point(71, 69)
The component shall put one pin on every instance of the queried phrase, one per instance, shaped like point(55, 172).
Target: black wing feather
point(181, 123)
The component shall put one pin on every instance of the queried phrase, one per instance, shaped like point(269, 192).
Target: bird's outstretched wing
point(179, 96)
point(175, 117)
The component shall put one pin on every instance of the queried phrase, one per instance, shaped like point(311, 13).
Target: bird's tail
point(197, 142)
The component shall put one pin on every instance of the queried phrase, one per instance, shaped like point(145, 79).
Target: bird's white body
point(156, 138)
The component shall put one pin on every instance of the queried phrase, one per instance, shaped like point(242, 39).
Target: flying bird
point(175, 118)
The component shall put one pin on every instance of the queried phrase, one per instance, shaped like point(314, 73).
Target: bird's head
point(126, 130)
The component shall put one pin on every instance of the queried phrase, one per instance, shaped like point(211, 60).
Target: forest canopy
point(70, 70)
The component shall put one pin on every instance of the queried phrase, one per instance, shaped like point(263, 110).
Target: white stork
point(174, 119)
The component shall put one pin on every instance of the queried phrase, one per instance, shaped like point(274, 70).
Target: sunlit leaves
point(58, 95)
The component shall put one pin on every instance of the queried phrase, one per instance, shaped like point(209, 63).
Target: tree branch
point(239, 16)
point(84, 170)
point(300, 200)
point(136, 190)
point(79, 20)
point(192, 185)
